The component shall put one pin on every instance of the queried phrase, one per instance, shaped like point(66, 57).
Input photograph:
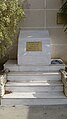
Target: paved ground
point(34, 112)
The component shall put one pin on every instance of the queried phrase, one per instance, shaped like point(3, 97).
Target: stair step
point(35, 95)
point(32, 98)
point(34, 73)
point(29, 102)
point(34, 86)
point(22, 76)
point(31, 83)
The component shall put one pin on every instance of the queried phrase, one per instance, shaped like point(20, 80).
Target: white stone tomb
point(34, 80)
point(34, 47)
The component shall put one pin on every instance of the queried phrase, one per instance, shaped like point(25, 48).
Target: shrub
point(10, 15)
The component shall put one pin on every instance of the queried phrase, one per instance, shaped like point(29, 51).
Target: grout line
point(45, 5)
point(61, 27)
point(42, 9)
point(52, 9)
point(41, 27)
point(34, 9)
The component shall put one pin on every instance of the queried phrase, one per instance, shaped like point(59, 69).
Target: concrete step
point(35, 95)
point(33, 98)
point(35, 85)
point(12, 66)
point(33, 76)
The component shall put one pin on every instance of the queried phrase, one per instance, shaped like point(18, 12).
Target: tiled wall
point(41, 14)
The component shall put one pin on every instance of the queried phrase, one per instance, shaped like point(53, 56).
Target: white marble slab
point(34, 57)
point(13, 66)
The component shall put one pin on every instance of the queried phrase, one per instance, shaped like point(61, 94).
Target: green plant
point(10, 15)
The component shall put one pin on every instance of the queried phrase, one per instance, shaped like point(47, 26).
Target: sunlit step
point(32, 83)
point(33, 98)
point(33, 76)
point(34, 73)
point(35, 95)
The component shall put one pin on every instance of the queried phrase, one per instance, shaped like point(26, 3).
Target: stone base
point(33, 85)
point(13, 66)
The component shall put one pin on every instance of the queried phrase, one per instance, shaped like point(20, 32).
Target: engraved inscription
point(34, 46)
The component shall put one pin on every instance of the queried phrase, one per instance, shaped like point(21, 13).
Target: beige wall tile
point(51, 18)
point(37, 19)
point(33, 4)
point(58, 36)
point(33, 18)
point(53, 4)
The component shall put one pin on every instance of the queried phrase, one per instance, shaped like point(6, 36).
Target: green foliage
point(63, 10)
point(10, 15)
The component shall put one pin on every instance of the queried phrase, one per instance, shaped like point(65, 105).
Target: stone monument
point(35, 78)
point(34, 47)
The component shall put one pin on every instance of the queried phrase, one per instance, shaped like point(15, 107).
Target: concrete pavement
point(34, 112)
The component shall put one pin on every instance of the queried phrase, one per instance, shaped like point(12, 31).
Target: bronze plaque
point(34, 46)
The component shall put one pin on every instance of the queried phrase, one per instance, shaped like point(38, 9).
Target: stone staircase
point(33, 88)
